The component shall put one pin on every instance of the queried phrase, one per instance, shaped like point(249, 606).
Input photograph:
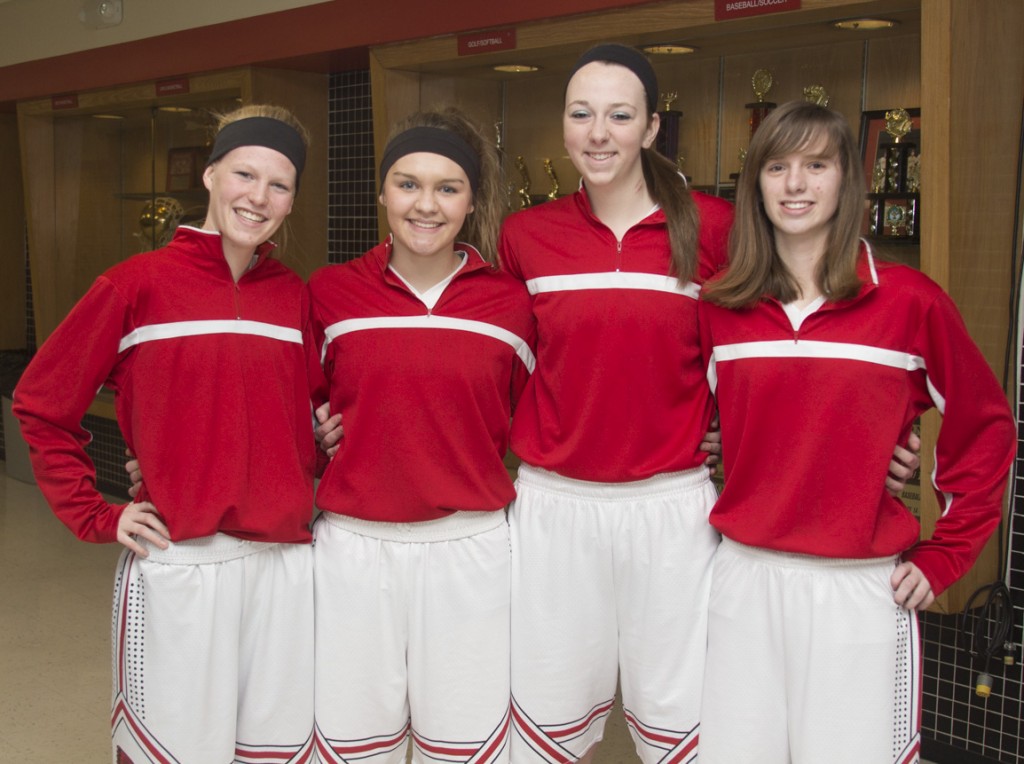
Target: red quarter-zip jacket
point(211, 393)
point(619, 392)
point(425, 395)
point(810, 416)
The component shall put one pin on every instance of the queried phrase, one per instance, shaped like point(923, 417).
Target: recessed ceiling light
point(668, 50)
point(864, 25)
point(108, 116)
point(516, 68)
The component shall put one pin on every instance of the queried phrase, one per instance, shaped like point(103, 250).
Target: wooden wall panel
point(893, 74)
point(697, 83)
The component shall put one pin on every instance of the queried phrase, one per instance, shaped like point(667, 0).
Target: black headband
point(632, 59)
point(261, 131)
point(432, 140)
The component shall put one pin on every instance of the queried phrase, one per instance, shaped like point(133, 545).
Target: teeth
point(796, 205)
point(422, 224)
point(250, 216)
point(600, 156)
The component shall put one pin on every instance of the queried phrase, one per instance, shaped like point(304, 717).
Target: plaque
point(894, 218)
point(900, 217)
point(185, 168)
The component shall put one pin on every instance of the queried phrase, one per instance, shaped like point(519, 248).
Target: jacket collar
point(655, 217)
point(205, 246)
point(381, 255)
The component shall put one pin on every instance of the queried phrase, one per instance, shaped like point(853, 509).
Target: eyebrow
point(617, 105)
point(410, 176)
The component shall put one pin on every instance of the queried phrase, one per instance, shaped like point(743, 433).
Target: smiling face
point(605, 124)
point(427, 197)
point(251, 193)
point(800, 193)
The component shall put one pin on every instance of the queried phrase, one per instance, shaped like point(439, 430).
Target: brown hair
point(755, 268)
point(482, 225)
point(668, 188)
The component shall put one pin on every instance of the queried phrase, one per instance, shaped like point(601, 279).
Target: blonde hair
point(269, 111)
point(755, 268)
point(482, 225)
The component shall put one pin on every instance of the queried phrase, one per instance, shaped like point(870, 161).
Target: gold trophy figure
point(898, 124)
point(913, 172)
point(878, 176)
point(549, 168)
point(816, 94)
point(523, 190)
point(498, 129)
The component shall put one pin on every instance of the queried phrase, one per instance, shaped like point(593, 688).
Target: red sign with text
point(64, 102)
point(177, 86)
point(735, 9)
point(486, 42)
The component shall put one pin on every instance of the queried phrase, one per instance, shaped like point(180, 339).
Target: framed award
point(184, 168)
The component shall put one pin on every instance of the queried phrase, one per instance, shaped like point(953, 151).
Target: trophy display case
point(928, 227)
point(111, 174)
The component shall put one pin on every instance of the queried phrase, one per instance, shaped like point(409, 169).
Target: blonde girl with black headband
point(213, 606)
point(425, 347)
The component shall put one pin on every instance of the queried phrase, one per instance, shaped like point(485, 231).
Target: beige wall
point(36, 29)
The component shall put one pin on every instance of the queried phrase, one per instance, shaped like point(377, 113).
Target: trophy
point(761, 83)
point(896, 182)
point(523, 190)
point(549, 169)
point(897, 124)
point(667, 142)
point(816, 94)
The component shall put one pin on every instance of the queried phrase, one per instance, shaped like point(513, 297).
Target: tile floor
point(55, 640)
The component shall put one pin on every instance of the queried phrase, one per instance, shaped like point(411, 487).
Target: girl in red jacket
point(213, 595)
point(426, 347)
point(611, 546)
point(812, 346)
